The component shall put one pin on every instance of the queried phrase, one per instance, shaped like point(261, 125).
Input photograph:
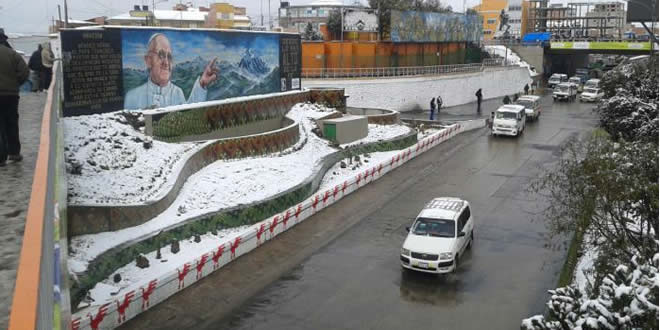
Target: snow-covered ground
point(585, 265)
point(115, 166)
point(225, 184)
point(511, 56)
point(380, 133)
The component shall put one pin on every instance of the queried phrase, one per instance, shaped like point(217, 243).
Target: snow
point(225, 184)
point(511, 56)
point(112, 154)
point(584, 270)
point(337, 175)
point(381, 133)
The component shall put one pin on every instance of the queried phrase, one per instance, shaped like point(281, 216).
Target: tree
point(310, 33)
point(627, 299)
point(334, 24)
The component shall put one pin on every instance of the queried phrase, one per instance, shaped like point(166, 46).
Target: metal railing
point(406, 71)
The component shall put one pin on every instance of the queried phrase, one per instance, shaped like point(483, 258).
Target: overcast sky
point(34, 16)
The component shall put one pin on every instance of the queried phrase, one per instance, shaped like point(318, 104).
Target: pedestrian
point(432, 108)
point(506, 99)
point(36, 67)
point(479, 96)
point(526, 89)
point(13, 73)
point(47, 62)
point(515, 97)
point(490, 121)
point(439, 101)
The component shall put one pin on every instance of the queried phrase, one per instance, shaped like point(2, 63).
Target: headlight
point(446, 255)
point(405, 252)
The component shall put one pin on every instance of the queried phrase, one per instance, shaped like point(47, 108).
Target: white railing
point(406, 71)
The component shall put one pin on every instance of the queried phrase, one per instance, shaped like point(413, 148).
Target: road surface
point(340, 269)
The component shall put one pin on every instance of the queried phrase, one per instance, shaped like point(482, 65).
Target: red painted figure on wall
point(95, 321)
point(200, 265)
point(121, 307)
point(217, 255)
point(182, 275)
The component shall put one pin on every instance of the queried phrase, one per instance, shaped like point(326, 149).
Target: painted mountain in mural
point(250, 76)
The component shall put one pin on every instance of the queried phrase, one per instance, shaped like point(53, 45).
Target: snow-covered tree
point(628, 299)
point(310, 33)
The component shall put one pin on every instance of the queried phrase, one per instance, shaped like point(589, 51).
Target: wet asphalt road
point(340, 269)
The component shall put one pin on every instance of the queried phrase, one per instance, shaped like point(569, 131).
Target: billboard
point(606, 45)
point(113, 69)
point(360, 20)
point(414, 26)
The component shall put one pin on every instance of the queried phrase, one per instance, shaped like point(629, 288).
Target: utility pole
point(262, 12)
point(270, 20)
point(59, 15)
point(66, 15)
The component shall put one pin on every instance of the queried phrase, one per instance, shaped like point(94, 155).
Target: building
point(607, 19)
point(219, 15)
point(226, 16)
point(142, 16)
point(74, 23)
point(490, 10)
point(296, 18)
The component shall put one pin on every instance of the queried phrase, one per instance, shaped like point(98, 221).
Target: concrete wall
point(530, 54)
point(405, 94)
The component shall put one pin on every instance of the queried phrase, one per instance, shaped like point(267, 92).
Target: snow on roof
point(166, 15)
point(326, 3)
point(511, 108)
point(442, 208)
point(529, 97)
point(241, 18)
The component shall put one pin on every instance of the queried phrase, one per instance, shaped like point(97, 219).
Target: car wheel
point(469, 247)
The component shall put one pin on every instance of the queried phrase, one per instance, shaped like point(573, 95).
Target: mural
point(168, 67)
point(109, 69)
point(413, 26)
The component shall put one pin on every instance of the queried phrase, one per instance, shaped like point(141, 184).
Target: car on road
point(509, 119)
point(565, 92)
point(591, 94)
point(577, 81)
point(439, 236)
point(592, 83)
point(532, 104)
point(556, 79)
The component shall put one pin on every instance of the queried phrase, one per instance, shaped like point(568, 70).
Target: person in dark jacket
point(526, 89)
point(506, 99)
point(432, 108)
point(13, 73)
point(479, 96)
point(36, 67)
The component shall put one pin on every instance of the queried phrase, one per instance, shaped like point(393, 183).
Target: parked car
point(593, 83)
point(439, 236)
point(565, 92)
point(509, 119)
point(556, 79)
point(577, 81)
point(532, 104)
point(591, 94)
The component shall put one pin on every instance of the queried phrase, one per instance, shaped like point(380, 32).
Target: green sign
point(602, 45)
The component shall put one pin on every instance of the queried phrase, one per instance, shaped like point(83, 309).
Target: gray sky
point(34, 16)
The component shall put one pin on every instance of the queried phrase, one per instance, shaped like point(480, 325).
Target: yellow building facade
point(227, 16)
point(490, 11)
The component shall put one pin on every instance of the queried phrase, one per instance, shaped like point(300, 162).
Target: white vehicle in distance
point(556, 79)
point(532, 104)
point(565, 92)
point(591, 94)
point(509, 119)
point(439, 236)
point(577, 81)
point(592, 83)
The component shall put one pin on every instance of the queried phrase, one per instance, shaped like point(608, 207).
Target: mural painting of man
point(159, 91)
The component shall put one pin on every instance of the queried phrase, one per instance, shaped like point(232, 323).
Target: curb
point(129, 304)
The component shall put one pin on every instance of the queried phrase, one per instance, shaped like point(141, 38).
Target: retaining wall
point(110, 315)
point(404, 94)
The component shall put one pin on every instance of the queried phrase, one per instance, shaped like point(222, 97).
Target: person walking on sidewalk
point(479, 96)
point(432, 108)
point(526, 89)
point(506, 99)
point(13, 73)
point(47, 64)
point(439, 101)
point(36, 67)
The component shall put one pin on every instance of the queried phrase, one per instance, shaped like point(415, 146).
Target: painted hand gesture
point(210, 74)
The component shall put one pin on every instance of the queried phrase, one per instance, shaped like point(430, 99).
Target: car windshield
point(562, 89)
point(525, 103)
point(553, 77)
point(434, 227)
point(505, 115)
point(591, 90)
point(575, 80)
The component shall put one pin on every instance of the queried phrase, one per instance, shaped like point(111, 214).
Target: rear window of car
point(434, 227)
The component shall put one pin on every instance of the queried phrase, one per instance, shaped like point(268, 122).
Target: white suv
point(439, 236)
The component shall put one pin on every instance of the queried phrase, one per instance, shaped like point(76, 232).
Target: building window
point(224, 16)
point(488, 31)
point(492, 21)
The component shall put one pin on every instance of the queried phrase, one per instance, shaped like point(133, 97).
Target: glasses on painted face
point(163, 55)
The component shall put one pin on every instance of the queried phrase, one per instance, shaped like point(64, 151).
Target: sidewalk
point(15, 189)
point(458, 112)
